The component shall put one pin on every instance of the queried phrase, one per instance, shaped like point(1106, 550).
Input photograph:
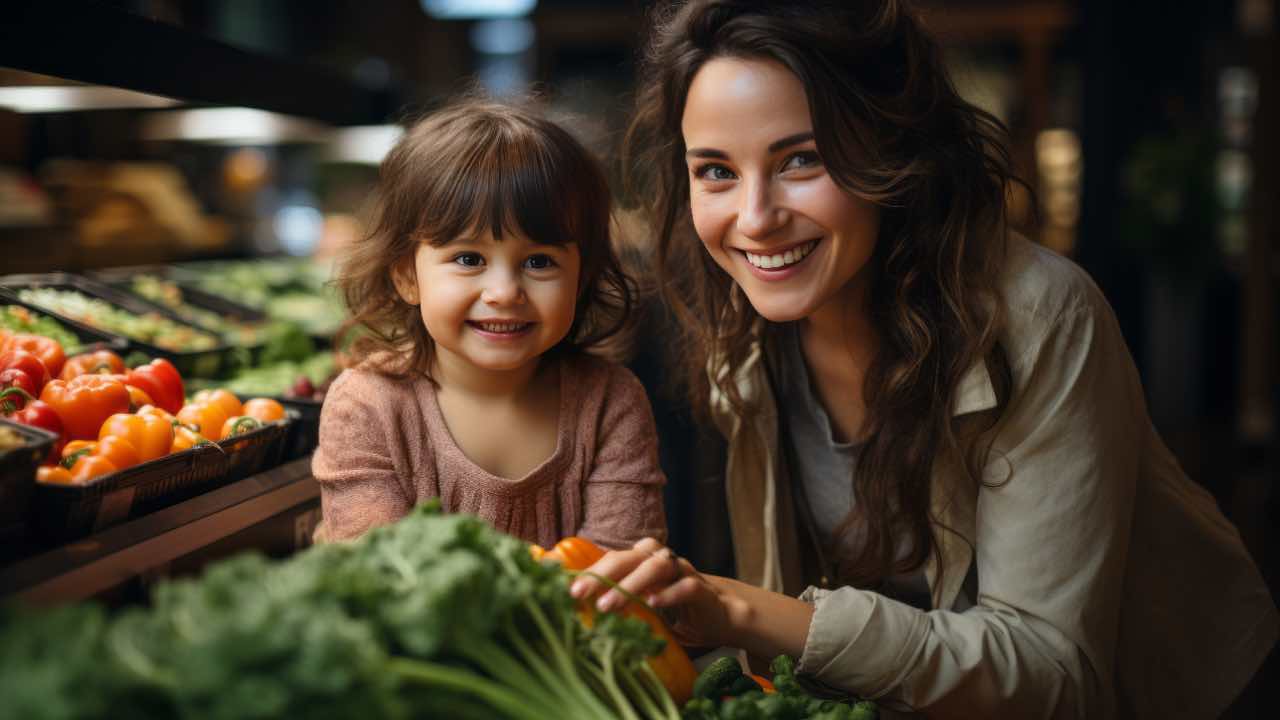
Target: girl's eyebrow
point(774, 146)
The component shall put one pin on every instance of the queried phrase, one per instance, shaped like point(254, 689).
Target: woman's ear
point(405, 277)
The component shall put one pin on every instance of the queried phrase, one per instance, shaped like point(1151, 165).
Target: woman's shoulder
point(1039, 285)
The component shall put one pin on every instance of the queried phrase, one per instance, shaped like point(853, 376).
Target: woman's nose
point(758, 213)
point(502, 289)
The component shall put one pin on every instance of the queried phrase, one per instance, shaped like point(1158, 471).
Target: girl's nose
point(502, 289)
point(758, 214)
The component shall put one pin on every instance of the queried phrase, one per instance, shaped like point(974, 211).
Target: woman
point(932, 424)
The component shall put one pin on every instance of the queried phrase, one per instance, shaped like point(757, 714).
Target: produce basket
point(190, 363)
point(90, 338)
point(68, 512)
point(230, 320)
point(304, 432)
point(18, 475)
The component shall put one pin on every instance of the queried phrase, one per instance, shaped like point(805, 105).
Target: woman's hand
point(700, 608)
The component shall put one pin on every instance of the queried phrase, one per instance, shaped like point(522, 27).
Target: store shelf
point(145, 547)
point(99, 43)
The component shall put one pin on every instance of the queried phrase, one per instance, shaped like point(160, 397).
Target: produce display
point(292, 289)
point(169, 294)
point(434, 616)
point(151, 328)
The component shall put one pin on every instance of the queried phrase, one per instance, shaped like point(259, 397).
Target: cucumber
point(717, 678)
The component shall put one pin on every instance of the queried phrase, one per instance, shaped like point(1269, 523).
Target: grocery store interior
point(177, 177)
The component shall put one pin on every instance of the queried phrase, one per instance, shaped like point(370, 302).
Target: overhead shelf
point(97, 43)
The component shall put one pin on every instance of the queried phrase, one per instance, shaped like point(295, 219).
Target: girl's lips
point(785, 272)
point(500, 330)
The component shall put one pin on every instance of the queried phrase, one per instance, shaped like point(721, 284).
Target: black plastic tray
point(18, 476)
point(304, 433)
point(122, 279)
point(196, 363)
point(69, 512)
point(90, 338)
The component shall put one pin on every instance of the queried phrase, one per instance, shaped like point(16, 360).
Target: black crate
point(18, 476)
point(69, 512)
point(304, 433)
point(198, 363)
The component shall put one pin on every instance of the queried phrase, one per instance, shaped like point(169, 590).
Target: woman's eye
point(713, 173)
point(802, 160)
point(469, 259)
point(539, 262)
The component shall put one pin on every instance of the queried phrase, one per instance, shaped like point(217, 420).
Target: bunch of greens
point(435, 616)
point(149, 328)
point(724, 692)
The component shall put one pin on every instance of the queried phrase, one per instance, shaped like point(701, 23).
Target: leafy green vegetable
point(724, 692)
point(433, 616)
point(150, 328)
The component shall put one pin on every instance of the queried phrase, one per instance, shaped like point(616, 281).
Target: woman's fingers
point(648, 567)
point(615, 565)
point(677, 593)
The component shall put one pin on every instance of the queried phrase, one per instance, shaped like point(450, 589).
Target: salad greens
point(724, 692)
point(435, 616)
point(169, 294)
point(150, 328)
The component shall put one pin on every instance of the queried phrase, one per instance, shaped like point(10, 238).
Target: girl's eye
point(713, 172)
point(802, 160)
point(539, 262)
point(469, 259)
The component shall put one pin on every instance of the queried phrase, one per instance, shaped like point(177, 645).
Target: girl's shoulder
point(367, 385)
point(588, 373)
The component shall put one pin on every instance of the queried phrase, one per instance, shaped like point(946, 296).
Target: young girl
point(486, 276)
point(935, 433)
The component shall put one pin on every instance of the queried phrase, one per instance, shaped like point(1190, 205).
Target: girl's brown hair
point(478, 166)
point(890, 128)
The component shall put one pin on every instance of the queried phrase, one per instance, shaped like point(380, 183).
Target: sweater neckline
point(535, 478)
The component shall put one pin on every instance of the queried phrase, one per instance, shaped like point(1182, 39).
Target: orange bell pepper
point(74, 450)
point(85, 402)
point(672, 666)
point(53, 475)
point(47, 349)
point(89, 467)
point(264, 409)
point(224, 399)
point(150, 435)
point(119, 451)
point(238, 425)
point(97, 362)
point(203, 417)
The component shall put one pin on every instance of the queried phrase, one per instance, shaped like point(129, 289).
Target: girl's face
point(495, 306)
point(762, 201)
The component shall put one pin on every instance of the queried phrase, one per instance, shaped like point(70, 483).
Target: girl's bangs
point(513, 185)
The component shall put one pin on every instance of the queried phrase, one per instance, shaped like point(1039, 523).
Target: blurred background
point(199, 132)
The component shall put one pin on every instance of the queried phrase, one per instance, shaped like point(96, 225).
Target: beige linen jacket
point(1109, 584)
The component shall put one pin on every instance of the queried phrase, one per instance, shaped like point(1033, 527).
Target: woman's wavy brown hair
point(471, 167)
point(892, 129)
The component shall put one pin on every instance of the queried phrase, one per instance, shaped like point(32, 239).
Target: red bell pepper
point(28, 363)
point(47, 349)
point(160, 380)
point(15, 378)
point(41, 415)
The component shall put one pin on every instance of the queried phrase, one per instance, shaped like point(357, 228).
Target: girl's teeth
point(790, 257)
point(501, 327)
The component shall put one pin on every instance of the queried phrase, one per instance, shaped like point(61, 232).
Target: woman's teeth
point(501, 327)
point(790, 257)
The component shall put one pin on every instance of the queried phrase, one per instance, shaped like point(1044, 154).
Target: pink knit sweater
point(385, 447)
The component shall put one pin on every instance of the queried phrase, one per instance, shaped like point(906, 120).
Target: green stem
point(495, 661)
point(491, 693)
point(562, 659)
point(610, 681)
point(659, 691)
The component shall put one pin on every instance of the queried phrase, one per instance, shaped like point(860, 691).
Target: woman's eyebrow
point(774, 146)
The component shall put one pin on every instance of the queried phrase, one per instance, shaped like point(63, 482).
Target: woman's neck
point(842, 327)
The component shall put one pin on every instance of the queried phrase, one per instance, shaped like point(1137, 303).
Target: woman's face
point(762, 201)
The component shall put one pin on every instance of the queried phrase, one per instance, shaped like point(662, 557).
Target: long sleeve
point(355, 463)
point(622, 496)
point(1052, 530)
